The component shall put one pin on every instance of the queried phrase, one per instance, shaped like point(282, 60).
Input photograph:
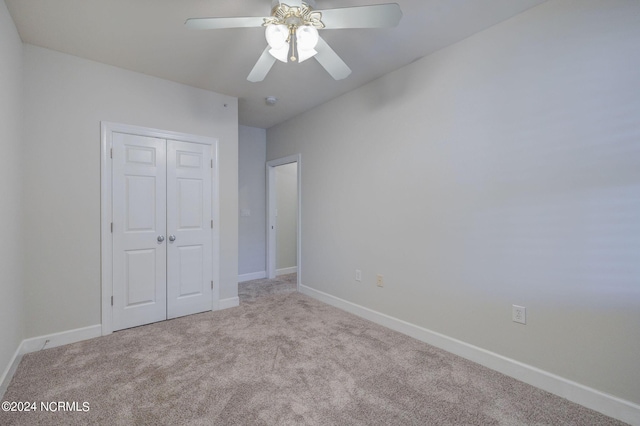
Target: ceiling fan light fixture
point(303, 55)
point(307, 37)
point(278, 39)
point(281, 54)
point(277, 36)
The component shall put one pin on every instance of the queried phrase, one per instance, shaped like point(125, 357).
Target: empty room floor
point(279, 358)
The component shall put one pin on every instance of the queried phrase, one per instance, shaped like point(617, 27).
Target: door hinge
point(111, 152)
point(211, 284)
point(211, 223)
point(212, 163)
point(111, 300)
point(112, 227)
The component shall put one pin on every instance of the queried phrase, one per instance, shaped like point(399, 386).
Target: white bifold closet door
point(162, 240)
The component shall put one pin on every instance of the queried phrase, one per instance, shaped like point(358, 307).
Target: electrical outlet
point(380, 281)
point(519, 314)
point(358, 275)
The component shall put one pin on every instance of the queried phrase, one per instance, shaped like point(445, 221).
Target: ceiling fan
point(292, 32)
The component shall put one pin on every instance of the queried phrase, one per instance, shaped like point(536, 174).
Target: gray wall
point(252, 154)
point(501, 170)
point(65, 99)
point(11, 294)
point(287, 220)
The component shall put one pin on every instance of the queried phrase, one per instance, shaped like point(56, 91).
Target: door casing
point(106, 244)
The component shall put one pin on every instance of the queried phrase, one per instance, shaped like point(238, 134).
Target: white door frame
point(106, 242)
point(271, 214)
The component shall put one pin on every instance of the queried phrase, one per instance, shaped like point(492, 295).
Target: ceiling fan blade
point(331, 61)
point(262, 67)
point(220, 23)
point(373, 16)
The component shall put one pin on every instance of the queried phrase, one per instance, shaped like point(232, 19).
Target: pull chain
point(293, 43)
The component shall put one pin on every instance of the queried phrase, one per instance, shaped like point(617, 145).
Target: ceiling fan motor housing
point(294, 17)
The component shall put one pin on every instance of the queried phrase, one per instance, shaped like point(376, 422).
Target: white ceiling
point(148, 36)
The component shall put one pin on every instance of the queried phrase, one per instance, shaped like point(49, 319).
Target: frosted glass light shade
point(307, 38)
point(303, 55)
point(281, 54)
point(277, 36)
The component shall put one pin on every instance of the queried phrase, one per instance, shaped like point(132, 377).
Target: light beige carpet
point(276, 360)
point(249, 291)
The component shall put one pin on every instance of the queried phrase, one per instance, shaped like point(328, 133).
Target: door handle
point(172, 238)
point(160, 238)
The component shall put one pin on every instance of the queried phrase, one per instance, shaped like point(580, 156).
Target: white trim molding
point(8, 373)
point(285, 271)
point(252, 276)
point(36, 344)
point(606, 404)
point(231, 302)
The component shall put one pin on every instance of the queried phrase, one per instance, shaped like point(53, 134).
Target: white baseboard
point(231, 302)
point(263, 274)
point(58, 339)
point(8, 373)
point(252, 276)
point(606, 404)
point(45, 342)
point(285, 271)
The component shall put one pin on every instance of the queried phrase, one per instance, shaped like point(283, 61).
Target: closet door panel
point(190, 244)
point(139, 225)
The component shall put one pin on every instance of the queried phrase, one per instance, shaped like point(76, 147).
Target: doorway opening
point(284, 203)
